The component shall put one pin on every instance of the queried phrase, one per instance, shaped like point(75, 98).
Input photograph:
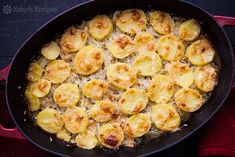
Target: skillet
point(15, 81)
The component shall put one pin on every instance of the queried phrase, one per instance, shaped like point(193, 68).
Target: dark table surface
point(17, 25)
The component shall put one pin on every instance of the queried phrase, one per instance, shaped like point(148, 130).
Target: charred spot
point(83, 35)
point(135, 15)
point(203, 49)
point(100, 25)
point(73, 31)
point(111, 140)
point(122, 100)
point(96, 55)
point(183, 104)
point(123, 41)
point(179, 47)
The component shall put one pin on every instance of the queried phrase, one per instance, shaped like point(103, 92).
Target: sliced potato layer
point(88, 60)
point(103, 111)
point(165, 117)
point(33, 101)
point(75, 119)
point(189, 30)
point(110, 135)
point(147, 64)
point(73, 39)
point(35, 72)
point(86, 140)
point(122, 46)
point(131, 21)
point(133, 101)
point(57, 71)
point(95, 89)
point(51, 51)
point(121, 75)
point(160, 89)
point(181, 74)
point(205, 78)
point(170, 48)
point(66, 95)
point(40, 88)
point(188, 100)
point(50, 120)
point(200, 52)
point(161, 22)
point(100, 27)
point(145, 42)
point(137, 125)
point(63, 135)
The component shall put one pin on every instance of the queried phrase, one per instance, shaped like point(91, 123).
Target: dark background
point(17, 26)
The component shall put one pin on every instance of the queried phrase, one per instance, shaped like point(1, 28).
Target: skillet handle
point(5, 132)
point(226, 21)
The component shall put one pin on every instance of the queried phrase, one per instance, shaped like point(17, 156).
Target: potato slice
point(35, 72)
point(122, 46)
point(189, 30)
point(75, 119)
point(121, 75)
point(188, 100)
point(170, 48)
point(133, 101)
point(63, 135)
point(160, 89)
point(88, 60)
point(161, 22)
point(51, 51)
point(131, 21)
point(86, 140)
point(100, 27)
point(95, 89)
point(145, 42)
point(181, 74)
point(200, 52)
point(205, 78)
point(33, 101)
point(165, 117)
point(110, 135)
point(137, 125)
point(147, 64)
point(102, 111)
point(66, 95)
point(73, 39)
point(40, 88)
point(57, 71)
point(50, 120)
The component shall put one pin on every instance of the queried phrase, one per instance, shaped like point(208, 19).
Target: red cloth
point(218, 139)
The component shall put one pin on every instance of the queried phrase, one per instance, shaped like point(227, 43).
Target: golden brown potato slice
point(57, 71)
point(165, 117)
point(51, 51)
point(110, 135)
point(133, 101)
point(131, 21)
point(66, 95)
point(50, 120)
point(189, 30)
point(33, 101)
point(188, 100)
point(145, 42)
point(205, 78)
point(161, 22)
point(95, 89)
point(100, 27)
point(122, 46)
point(88, 60)
point(86, 140)
point(75, 119)
point(35, 72)
point(170, 48)
point(40, 88)
point(200, 52)
point(121, 75)
point(137, 125)
point(73, 39)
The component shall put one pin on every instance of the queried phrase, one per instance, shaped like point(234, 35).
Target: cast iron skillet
point(16, 77)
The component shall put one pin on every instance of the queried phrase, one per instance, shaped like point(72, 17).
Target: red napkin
point(218, 139)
